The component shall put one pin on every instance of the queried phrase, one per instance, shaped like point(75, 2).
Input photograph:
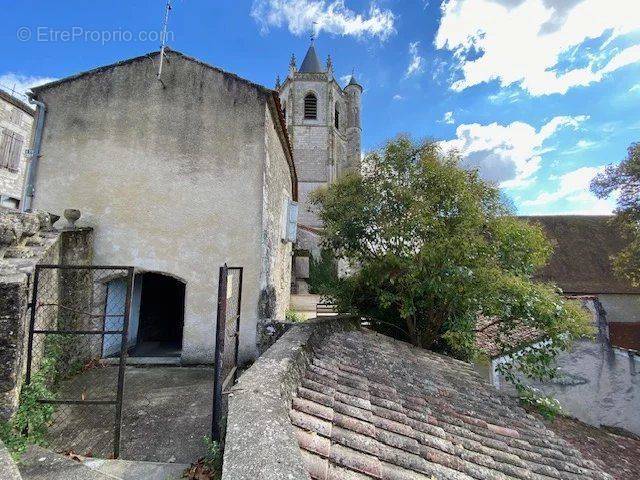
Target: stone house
point(16, 124)
point(178, 174)
point(598, 379)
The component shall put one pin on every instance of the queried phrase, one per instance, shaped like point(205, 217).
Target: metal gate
point(227, 341)
point(76, 355)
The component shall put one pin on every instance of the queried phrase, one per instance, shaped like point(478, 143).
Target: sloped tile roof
point(581, 260)
point(369, 407)
point(488, 335)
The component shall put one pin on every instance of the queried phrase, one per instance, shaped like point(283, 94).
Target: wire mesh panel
point(227, 342)
point(76, 352)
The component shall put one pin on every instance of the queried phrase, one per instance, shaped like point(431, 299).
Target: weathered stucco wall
point(597, 383)
point(169, 174)
point(621, 308)
point(276, 258)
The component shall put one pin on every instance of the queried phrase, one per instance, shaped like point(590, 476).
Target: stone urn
point(72, 215)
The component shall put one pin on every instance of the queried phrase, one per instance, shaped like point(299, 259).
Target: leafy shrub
point(434, 246)
point(322, 273)
point(546, 405)
point(293, 316)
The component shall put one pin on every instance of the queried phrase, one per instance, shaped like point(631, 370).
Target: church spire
point(311, 63)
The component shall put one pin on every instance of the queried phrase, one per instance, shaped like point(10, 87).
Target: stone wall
point(26, 240)
point(258, 415)
point(275, 281)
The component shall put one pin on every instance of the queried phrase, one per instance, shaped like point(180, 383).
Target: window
point(310, 107)
point(10, 150)
point(284, 110)
point(337, 117)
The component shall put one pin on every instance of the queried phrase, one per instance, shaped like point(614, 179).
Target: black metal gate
point(76, 356)
point(227, 341)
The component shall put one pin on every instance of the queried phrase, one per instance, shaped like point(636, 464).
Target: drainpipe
point(32, 169)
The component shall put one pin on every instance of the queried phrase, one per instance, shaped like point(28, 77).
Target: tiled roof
point(487, 332)
point(582, 250)
point(369, 406)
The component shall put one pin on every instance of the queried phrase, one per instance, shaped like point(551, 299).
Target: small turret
point(354, 127)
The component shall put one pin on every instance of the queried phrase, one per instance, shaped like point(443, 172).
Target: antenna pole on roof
point(163, 36)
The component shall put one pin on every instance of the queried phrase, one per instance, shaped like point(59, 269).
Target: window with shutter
point(10, 150)
point(310, 107)
point(16, 152)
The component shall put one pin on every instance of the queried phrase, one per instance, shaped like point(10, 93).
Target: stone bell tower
point(323, 120)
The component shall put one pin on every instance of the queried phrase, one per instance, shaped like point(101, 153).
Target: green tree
point(433, 247)
point(624, 179)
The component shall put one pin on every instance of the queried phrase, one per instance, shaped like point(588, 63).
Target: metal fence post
point(217, 375)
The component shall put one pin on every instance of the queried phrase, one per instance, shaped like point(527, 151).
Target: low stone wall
point(26, 240)
point(8, 468)
point(258, 418)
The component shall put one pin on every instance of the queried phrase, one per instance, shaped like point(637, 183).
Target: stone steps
point(41, 464)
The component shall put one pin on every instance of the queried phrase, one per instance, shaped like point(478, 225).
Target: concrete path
point(41, 464)
point(166, 414)
point(127, 470)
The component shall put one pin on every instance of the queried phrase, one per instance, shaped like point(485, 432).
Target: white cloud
point(573, 194)
point(19, 84)
point(398, 97)
point(580, 146)
point(304, 16)
point(635, 88)
point(570, 185)
point(416, 64)
point(507, 154)
point(523, 41)
point(448, 118)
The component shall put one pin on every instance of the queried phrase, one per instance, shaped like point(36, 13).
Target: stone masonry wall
point(26, 240)
point(16, 121)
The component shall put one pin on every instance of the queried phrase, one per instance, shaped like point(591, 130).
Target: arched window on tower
point(310, 107)
point(337, 118)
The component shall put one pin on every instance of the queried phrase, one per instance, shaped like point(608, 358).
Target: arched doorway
point(157, 318)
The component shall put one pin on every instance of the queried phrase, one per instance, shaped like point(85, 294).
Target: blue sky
point(538, 94)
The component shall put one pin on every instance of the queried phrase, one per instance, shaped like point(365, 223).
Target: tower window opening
point(310, 107)
point(337, 117)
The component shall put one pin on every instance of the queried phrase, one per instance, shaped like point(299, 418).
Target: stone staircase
point(41, 464)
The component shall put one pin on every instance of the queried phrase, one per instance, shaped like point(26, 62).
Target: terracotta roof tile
point(372, 407)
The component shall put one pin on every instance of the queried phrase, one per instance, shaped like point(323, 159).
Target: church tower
point(323, 121)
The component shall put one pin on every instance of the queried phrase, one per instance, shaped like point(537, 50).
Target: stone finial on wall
point(72, 215)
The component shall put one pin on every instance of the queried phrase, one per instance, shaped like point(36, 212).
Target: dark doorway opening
point(161, 316)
